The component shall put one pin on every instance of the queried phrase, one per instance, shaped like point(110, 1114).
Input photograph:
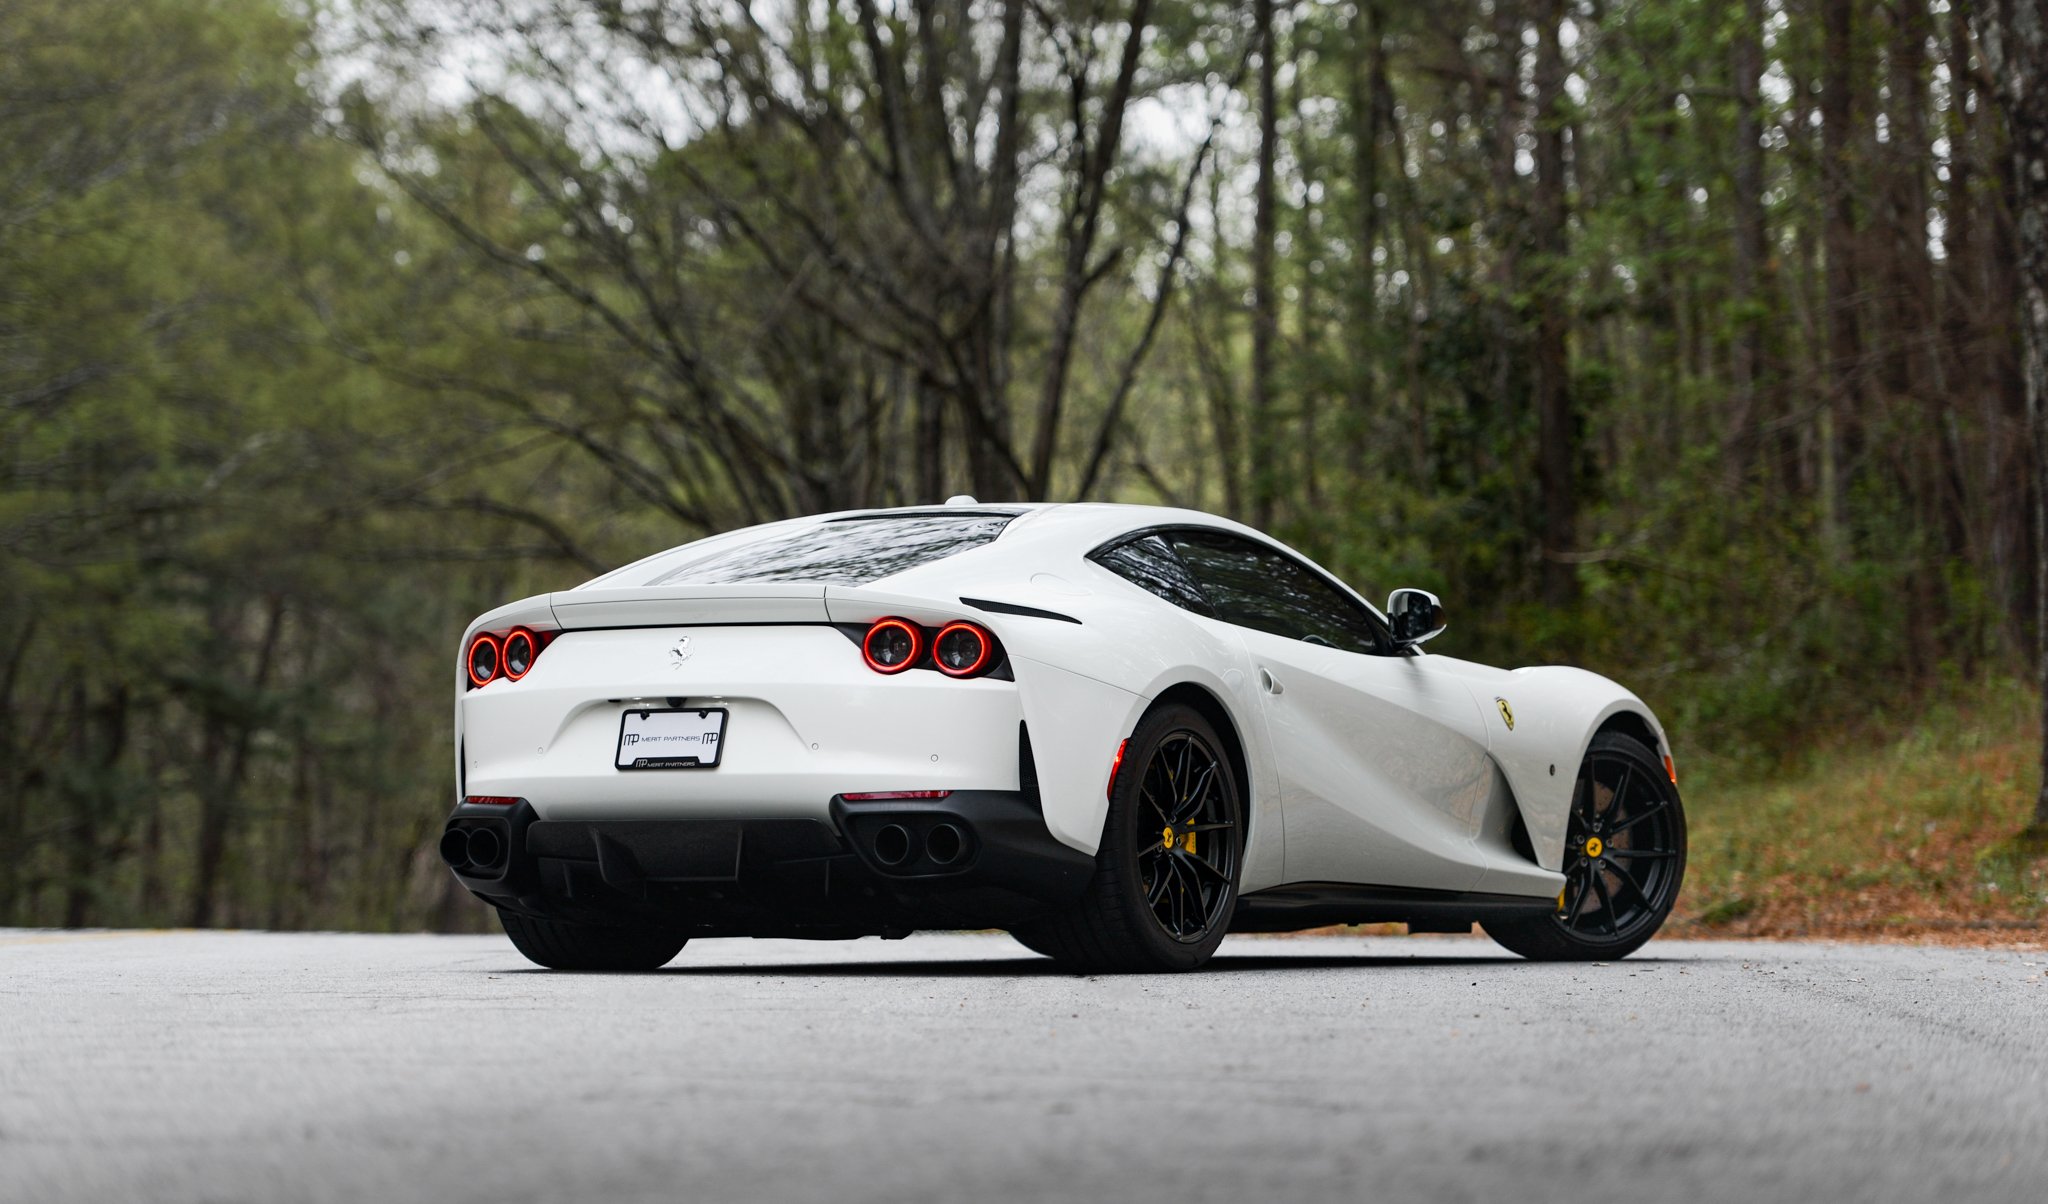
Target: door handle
point(1269, 683)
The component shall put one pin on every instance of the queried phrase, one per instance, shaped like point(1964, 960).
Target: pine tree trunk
point(1838, 241)
point(1367, 80)
point(1557, 435)
point(1265, 302)
point(1746, 351)
point(2015, 37)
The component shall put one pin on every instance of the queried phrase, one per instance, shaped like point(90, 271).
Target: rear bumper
point(805, 718)
point(976, 859)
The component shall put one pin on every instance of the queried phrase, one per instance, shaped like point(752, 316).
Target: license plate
point(685, 739)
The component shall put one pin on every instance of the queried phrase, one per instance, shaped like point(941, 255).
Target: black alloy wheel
point(1624, 860)
point(1165, 884)
point(1189, 872)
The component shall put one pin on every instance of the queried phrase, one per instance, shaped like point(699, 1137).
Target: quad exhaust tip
point(892, 844)
point(902, 847)
point(485, 849)
point(478, 850)
point(944, 844)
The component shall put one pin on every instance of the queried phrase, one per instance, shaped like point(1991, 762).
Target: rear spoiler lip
point(754, 604)
point(759, 604)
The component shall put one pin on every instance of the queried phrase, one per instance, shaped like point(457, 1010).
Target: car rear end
point(754, 756)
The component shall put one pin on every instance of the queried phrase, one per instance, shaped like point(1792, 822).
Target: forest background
point(1701, 343)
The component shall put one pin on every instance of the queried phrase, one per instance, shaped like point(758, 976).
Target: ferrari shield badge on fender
point(1507, 713)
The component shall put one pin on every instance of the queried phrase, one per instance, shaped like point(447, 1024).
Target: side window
point(1148, 563)
point(1258, 587)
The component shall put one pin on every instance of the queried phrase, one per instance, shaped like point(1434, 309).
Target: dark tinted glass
point(1149, 564)
point(1254, 586)
point(847, 552)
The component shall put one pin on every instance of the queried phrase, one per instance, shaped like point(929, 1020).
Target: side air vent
point(1027, 769)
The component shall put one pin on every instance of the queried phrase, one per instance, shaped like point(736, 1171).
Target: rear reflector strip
point(492, 800)
point(1114, 765)
point(873, 795)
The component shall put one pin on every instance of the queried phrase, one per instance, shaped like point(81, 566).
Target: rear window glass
point(852, 551)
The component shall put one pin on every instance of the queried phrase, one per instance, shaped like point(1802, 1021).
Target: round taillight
point(962, 649)
point(485, 658)
point(520, 649)
point(891, 646)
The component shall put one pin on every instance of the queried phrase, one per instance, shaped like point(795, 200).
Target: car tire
point(1624, 860)
point(1158, 901)
point(561, 946)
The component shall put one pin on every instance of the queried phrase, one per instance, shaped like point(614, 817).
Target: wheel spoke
point(1180, 898)
point(1641, 854)
point(1615, 805)
point(1606, 901)
point(1215, 827)
point(1200, 917)
point(1196, 792)
point(1637, 818)
point(1203, 864)
point(1571, 911)
point(1156, 781)
point(1635, 888)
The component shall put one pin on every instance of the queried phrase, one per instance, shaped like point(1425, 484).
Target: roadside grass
point(1911, 832)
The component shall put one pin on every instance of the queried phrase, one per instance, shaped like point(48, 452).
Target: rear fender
point(1076, 718)
point(1086, 672)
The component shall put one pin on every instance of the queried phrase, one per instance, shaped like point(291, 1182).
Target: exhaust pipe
point(486, 850)
point(455, 848)
point(892, 844)
point(944, 844)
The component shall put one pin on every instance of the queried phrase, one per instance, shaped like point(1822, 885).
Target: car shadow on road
point(1038, 967)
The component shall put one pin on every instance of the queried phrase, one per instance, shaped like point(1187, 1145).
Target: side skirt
point(1302, 905)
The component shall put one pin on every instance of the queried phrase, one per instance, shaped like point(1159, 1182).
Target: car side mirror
point(1416, 615)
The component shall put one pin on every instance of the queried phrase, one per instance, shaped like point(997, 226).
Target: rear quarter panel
point(1084, 685)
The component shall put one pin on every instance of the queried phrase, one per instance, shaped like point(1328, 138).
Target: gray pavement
point(192, 1066)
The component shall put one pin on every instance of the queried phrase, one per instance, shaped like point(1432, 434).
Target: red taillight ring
point(881, 625)
point(505, 652)
point(980, 662)
point(497, 658)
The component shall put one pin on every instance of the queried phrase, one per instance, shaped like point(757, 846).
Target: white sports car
point(1118, 732)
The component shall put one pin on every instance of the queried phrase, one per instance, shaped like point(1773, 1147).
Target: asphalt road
point(169, 1067)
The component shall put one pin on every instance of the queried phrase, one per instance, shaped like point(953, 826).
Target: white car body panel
point(1379, 770)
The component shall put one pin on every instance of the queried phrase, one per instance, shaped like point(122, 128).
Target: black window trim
point(1383, 631)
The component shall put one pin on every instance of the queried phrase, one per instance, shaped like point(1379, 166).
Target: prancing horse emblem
point(1507, 713)
point(681, 652)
